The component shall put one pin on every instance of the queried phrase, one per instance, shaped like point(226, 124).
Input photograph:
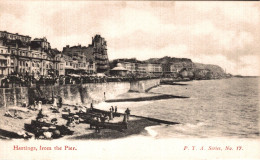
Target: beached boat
point(107, 125)
point(104, 112)
point(37, 128)
point(84, 117)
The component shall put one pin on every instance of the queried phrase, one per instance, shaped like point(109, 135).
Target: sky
point(222, 33)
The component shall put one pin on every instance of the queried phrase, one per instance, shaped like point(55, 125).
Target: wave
point(178, 130)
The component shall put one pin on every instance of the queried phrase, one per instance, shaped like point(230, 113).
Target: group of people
point(14, 80)
point(27, 80)
point(112, 109)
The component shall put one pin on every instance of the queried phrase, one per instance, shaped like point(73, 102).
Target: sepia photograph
point(129, 80)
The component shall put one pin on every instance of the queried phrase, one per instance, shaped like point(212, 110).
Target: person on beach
point(125, 118)
point(112, 108)
point(54, 102)
point(91, 106)
point(97, 125)
point(60, 102)
point(127, 112)
point(39, 105)
point(34, 105)
point(39, 115)
point(110, 114)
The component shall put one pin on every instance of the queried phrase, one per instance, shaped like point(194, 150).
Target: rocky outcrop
point(208, 71)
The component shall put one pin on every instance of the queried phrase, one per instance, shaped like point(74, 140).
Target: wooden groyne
point(173, 83)
point(148, 118)
point(156, 120)
point(159, 97)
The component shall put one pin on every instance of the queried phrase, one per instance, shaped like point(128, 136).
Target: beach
point(11, 126)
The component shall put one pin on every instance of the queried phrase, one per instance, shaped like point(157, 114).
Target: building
point(138, 67)
point(16, 36)
point(21, 55)
point(43, 61)
point(13, 46)
point(129, 64)
point(130, 67)
point(119, 70)
point(67, 65)
point(78, 60)
point(154, 68)
point(41, 43)
point(149, 68)
point(6, 63)
point(18, 54)
point(142, 68)
point(178, 66)
point(98, 51)
point(94, 56)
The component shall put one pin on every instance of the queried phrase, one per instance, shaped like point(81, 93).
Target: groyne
point(149, 98)
point(75, 94)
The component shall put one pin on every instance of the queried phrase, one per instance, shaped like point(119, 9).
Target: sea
point(215, 108)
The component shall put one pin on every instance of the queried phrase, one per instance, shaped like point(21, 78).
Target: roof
point(15, 34)
point(119, 69)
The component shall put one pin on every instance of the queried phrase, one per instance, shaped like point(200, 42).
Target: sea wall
point(13, 96)
point(86, 93)
point(144, 85)
point(75, 94)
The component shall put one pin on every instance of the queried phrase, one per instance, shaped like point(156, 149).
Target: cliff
point(188, 69)
point(208, 71)
point(211, 67)
point(167, 60)
point(182, 68)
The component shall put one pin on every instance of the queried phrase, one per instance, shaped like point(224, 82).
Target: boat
point(85, 117)
point(37, 128)
point(107, 125)
point(104, 112)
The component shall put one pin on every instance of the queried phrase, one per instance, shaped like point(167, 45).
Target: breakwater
point(144, 85)
point(78, 93)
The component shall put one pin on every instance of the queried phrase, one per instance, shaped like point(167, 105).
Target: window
point(61, 66)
